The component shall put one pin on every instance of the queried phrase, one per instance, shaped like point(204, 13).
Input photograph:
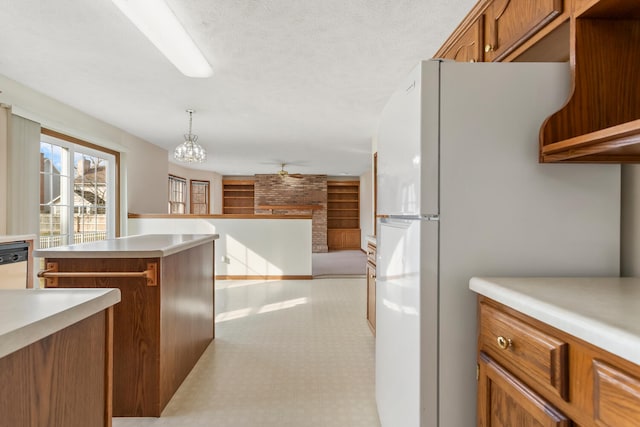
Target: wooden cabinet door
point(509, 23)
point(504, 401)
point(616, 396)
point(343, 238)
point(469, 46)
point(371, 297)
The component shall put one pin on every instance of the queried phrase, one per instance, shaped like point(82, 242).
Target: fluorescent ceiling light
point(156, 21)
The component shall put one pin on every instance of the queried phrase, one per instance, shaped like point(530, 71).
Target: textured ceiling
point(295, 81)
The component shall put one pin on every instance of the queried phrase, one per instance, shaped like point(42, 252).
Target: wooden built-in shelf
point(238, 196)
point(343, 215)
point(601, 121)
point(617, 144)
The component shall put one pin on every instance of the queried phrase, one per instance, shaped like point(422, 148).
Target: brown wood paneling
point(186, 314)
point(136, 331)
point(58, 381)
point(158, 337)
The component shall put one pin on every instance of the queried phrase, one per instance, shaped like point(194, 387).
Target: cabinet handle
point(504, 343)
point(488, 48)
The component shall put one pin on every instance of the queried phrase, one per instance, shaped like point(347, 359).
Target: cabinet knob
point(504, 343)
point(488, 48)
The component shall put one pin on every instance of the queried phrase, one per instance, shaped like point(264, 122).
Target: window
point(199, 197)
point(177, 195)
point(77, 191)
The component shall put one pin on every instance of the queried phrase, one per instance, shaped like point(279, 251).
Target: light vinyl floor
point(286, 353)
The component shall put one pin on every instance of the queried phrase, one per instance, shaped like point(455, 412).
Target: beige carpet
point(339, 263)
point(292, 353)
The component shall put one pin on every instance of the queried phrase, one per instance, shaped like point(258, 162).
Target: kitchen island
point(56, 357)
point(166, 318)
point(559, 351)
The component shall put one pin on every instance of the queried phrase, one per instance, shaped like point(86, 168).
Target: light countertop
point(602, 311)
point(140, 246)
point(28, 315)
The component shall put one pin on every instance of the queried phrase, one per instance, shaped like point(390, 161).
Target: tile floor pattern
point(286, 353)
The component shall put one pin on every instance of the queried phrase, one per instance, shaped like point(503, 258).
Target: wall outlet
point(225, 259)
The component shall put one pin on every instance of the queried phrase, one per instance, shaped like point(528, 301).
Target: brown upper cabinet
point(509, 23)
point(601, 40)
point(469, 46)
point(494, 30)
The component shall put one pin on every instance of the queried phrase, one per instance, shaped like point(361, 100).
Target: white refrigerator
point(460, 194)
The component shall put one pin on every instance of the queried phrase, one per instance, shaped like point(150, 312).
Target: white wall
point(215, 184)
point(246, 247)
point(630, 232)
point(143, 165)
point(366, 208)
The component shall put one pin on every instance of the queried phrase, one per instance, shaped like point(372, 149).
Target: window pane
point(73, 194)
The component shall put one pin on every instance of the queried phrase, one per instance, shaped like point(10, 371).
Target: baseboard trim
point(256, 277)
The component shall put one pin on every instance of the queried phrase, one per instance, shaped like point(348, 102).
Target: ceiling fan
point(283, 173)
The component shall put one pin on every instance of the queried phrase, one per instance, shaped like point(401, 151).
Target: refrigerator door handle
point(431, 217)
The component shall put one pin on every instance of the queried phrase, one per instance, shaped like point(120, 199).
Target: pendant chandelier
point(190, 151)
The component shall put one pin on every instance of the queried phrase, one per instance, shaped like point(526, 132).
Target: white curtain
point(23, 176)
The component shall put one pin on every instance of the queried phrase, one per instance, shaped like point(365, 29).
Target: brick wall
point(276, 190)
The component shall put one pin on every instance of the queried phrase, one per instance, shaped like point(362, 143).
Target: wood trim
point(30, 264)
point(74, 140)
point(115, 154)
point(217, 216)
point(257, 277)
point(291, 207)
point(375, 192)
point(108, 386)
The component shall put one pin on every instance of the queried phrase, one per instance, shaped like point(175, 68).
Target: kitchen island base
point(161, 327)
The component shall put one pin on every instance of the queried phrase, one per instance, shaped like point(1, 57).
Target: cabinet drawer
point(616, 396)
point(524, 350)
point(371, 254)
